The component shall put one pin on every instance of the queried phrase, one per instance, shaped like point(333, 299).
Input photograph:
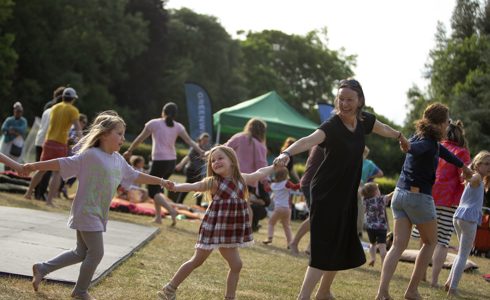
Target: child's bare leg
point(382, 252)
point(186, 268)
point(303, 229)
point(270, 230)
point(232, 256)
point(54, 186)
point(160, 200)
point(372, 254)
point(286, 225)
point(34, 182)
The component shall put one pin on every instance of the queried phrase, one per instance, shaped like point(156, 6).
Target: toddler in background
point(137, 193)
point(376, 220)
point(282, 204)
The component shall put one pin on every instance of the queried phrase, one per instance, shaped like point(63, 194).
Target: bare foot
point(173, 215)
point(435, 285)
point(413, 296)
point(446, 286)
point(294, 249)
point(371, 263)
point(36, 277)
point(383, 297)
point(157, 220)
point(50, 203)
point(452, 294)
point(28, 195)
point(329, 296)
point(85, 296)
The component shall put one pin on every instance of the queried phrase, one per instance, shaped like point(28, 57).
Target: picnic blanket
point(410, 255)
point(148, 209)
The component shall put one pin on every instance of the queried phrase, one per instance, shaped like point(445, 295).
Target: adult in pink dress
point(164, 132)
point(251, 151)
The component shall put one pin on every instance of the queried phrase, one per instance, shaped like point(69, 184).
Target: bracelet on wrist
point(399, 135)
point(286, 153)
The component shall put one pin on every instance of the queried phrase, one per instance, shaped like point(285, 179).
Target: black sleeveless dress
point(335, 244)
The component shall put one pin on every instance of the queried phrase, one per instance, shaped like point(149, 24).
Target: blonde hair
point(103, 123)
point(281, 174)
point(477, 160)
point(235, 170)
point(369, 190)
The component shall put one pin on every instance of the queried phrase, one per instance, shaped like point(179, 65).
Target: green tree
point(8, 57)
point(81, 43)
point(459, 72)
point(200, 50)
point(300, 68)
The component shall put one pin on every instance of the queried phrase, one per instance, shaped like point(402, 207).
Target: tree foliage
point(8, 56)
point(459, 72)
point(300, 68)
point(80, 43)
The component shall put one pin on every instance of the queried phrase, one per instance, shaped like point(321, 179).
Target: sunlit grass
point(269, 272)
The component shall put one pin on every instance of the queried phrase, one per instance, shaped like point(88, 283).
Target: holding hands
point(169, 185)
point(282, 160)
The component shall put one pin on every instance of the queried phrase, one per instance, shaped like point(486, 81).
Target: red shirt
point(448, 188)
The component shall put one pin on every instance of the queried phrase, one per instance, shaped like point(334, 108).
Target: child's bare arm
point(388, 197)
point(11, 163)
point(252, 178)
point(144, 178)
point(475, 180)
point(48, 165)
point(200, 186)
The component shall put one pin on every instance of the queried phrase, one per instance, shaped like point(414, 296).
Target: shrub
point(386, 184)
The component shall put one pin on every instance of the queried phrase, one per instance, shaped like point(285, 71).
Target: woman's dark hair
point(170, 111)
point(354, 85)
point(435, 114)
point(455, 133)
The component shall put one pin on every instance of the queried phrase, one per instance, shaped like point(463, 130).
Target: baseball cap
point(70, 93)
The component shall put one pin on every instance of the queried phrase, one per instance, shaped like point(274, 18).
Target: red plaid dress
point(226, 223)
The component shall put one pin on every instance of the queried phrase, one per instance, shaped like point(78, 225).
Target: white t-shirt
point(43, 128)
point(99, 174)
point(163, 139)
point(280, 194)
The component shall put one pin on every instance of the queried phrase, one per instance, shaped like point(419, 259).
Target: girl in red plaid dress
point(226, 224)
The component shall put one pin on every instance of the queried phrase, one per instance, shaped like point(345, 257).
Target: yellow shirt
point(61, 118)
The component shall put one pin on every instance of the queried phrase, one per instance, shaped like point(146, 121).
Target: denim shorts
point(419, 208)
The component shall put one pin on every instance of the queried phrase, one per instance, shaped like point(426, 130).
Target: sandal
point(168, 292)
point(267, 242)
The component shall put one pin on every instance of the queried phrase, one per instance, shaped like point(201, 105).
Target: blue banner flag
point(325, 110)
point(198, 110)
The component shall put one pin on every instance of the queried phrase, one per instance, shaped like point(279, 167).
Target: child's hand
point(26, 169)
point(169, 185)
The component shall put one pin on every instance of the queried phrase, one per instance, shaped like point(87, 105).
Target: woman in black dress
point(335, 244)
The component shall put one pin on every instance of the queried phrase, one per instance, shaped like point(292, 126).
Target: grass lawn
point(269, 272)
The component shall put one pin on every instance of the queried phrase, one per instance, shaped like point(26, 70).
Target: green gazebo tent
point(282, 120)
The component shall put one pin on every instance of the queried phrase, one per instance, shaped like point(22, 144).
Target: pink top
point(163, 139)
point(250, 152)
point(448, 188)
